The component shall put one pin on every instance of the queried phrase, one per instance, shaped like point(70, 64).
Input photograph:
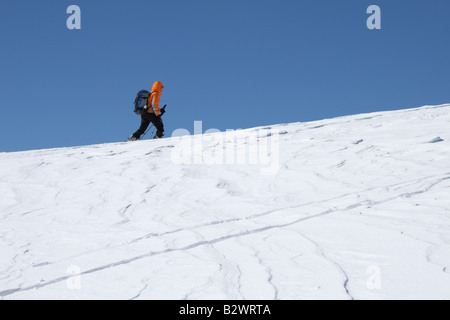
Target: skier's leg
point(157, 122)
point(145, 122)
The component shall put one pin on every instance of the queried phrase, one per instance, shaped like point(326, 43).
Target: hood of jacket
point(157, 86)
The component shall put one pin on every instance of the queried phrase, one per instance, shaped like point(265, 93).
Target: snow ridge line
point(338, 266)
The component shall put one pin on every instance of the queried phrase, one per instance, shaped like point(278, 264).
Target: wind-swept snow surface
point(355, 207)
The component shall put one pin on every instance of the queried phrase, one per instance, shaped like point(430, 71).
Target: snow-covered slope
point(353, 207)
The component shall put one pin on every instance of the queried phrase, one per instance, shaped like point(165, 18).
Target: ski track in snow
point(351, 193)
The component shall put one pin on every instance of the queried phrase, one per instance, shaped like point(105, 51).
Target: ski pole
point(148, 130)
point(153, 131)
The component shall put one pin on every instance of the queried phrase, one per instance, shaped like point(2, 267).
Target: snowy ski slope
point(354, 207)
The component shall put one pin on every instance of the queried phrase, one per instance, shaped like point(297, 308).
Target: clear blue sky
point(232, 64)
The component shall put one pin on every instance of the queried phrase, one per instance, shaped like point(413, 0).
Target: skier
point(152, 114)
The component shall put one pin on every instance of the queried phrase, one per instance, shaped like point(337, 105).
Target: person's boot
point(133, 138)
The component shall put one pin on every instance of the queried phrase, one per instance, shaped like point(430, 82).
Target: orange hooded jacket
point(153, 101)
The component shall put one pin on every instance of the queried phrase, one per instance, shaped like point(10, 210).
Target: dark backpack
point(141, 101)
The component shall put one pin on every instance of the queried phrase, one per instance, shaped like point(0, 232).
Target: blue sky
point(231, 64)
